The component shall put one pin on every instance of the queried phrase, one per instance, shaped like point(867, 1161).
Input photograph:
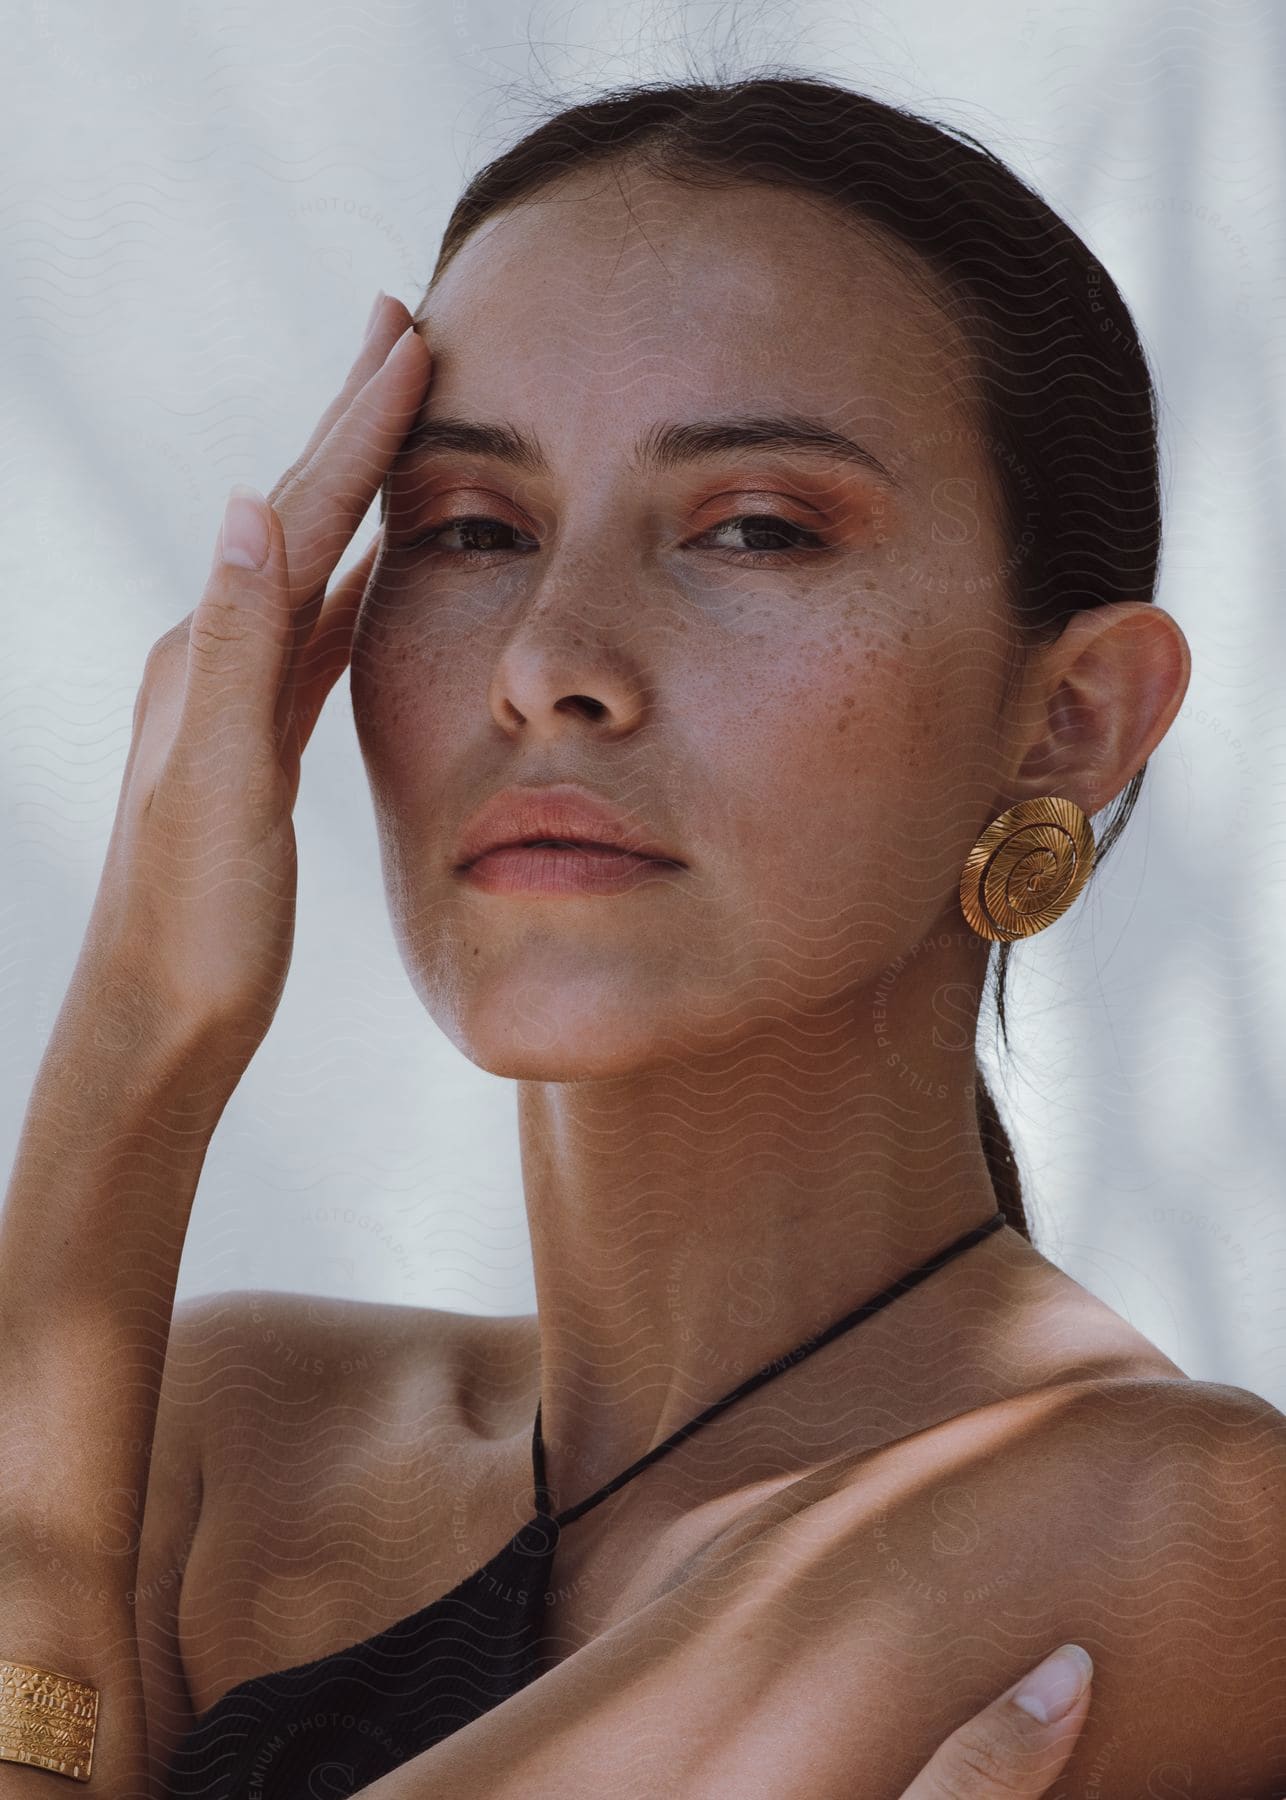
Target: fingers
point(327, 496)
point(239, 633)
point(388, 321)
point(259, 658)
point(1021, 1743)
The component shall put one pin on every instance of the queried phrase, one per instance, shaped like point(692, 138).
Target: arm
point(1147, 1522)
point(92, 1233)
point(175, 1496)
point(182, 968)
point(1014, 1748)
point(1144, 1520)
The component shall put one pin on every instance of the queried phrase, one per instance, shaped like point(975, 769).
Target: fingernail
point(374, 314)
point(1052, 1689)
point(246, 533)
point(398, 342)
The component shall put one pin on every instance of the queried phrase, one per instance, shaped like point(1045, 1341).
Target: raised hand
point(197, 895)
point(179, 976)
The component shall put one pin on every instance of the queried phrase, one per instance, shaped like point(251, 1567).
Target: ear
point(1096, 702)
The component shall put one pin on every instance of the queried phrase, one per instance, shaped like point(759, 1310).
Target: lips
point(564, 815)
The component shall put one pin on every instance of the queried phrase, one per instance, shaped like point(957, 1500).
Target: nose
point(575, 651)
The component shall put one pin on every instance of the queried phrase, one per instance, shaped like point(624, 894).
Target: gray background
point(200, 202)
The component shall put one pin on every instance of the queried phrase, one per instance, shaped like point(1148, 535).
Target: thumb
point(1021, 1743)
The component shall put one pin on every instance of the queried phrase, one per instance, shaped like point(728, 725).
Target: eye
point(481, 536)
point(768, 526)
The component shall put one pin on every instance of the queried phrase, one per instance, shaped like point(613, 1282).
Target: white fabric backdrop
point(200, 203)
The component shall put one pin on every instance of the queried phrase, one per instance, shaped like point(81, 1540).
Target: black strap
point(895, 1289)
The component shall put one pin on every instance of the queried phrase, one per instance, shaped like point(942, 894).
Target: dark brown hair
point(1062, 390)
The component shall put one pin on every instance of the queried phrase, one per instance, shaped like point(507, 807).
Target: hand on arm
point(1144, 1519)
point(1020, 1744)
point(1141, 1519)
point(1013, 1749)
point(182, 968)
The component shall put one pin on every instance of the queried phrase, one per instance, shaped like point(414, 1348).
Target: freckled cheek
point(870, 755)
point(873, 689)
point(409, 705)
point(794, 742)
point(930, 745)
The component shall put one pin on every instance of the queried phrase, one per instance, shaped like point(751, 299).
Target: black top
point(332, 1726)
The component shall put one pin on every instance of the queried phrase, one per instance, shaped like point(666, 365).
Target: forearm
point(64, 1612)
point(91, 1236)
point(622, 1716)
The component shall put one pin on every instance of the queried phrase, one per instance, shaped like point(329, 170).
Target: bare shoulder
point(273, 1406)
point(295, 1340)
point(240, 1349)
point(864, 1613)
point(1142, 1517)
point(248, 1372)
point(1163, 1508)
point(329, 1438)
point(244, 1373)
point(253, 1376)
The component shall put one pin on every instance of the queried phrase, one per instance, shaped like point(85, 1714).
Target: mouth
point(590, 844)
point(561, 824)
point(565, 866)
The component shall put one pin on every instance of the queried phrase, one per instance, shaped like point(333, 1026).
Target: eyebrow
point(667, 446)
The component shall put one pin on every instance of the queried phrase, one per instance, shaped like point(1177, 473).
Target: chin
point(523, 1045)
point(526, 1022)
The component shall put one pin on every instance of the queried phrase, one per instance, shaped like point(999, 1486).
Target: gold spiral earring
point(1026, 868)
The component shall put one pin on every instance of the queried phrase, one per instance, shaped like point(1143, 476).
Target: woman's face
point(806, 709)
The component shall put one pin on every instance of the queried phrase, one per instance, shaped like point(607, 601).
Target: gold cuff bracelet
point(47, 1720)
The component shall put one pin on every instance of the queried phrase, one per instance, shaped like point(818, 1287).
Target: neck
point(691, 1223)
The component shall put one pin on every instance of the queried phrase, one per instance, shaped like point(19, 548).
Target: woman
point(781, 513)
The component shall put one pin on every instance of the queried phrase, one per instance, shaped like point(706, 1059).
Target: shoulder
point(245, 1372)
point(1160, 1509)
point(267, 1316)
point(239, 1359)
point(244, 1351)
point(1195, 1460)
point(1200, 1425)
point(1192, 1476)
point(1077, 1446)
point(868, 1610)
point(1144, 1518)
point(1118, 1463)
